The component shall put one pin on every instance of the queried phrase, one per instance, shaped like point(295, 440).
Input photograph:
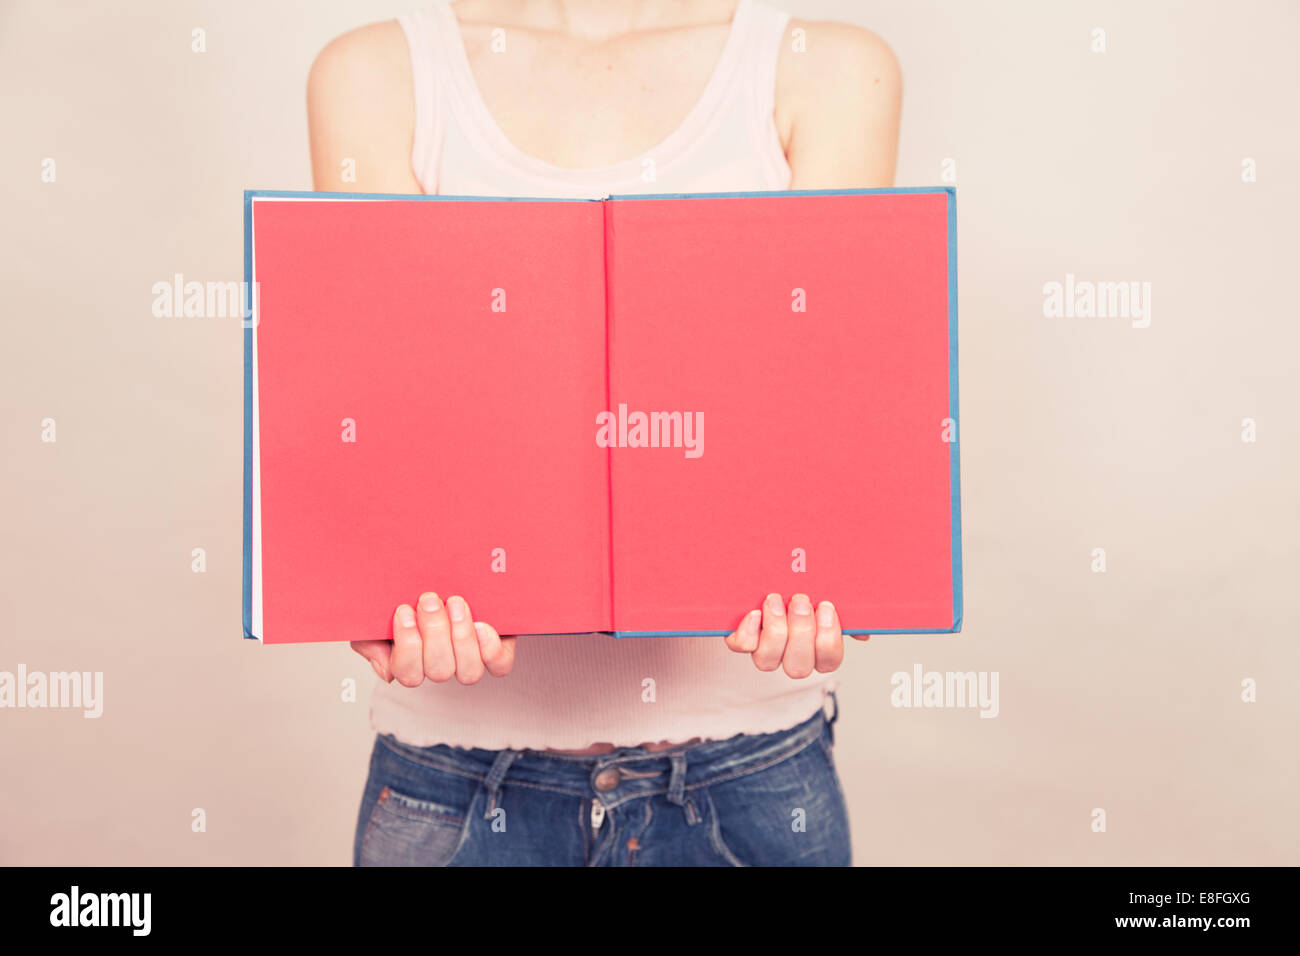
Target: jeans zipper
point(597, 814)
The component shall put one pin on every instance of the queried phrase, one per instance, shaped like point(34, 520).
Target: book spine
point(247, 519)
point(608, 207)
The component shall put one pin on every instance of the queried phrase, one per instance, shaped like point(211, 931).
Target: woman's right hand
point(438, 641)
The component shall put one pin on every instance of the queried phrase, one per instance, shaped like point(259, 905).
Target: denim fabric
point(753, 800)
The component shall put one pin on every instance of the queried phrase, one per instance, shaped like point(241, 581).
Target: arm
point(837, 112)
point(361, 108)
point(837, 108)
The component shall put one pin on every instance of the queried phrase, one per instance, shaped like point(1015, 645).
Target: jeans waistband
point(626, 773)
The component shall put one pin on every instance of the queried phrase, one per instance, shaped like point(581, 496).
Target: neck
point(600, 19)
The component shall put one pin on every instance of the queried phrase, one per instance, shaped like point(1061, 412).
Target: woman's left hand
point(800, 639)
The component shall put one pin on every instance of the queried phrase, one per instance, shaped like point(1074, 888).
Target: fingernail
point(775, 605)
point(456, 608)
point(378, 670)
point(826, 614)
point(800, 604)
point(483, 635)
point(406, 615)
point(749, 626)
point(429, 603)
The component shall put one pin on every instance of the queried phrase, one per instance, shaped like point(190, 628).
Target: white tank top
point(727, 142)
point(569, 692)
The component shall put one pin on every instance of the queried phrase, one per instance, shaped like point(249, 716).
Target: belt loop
point(677, 781)
point(834, 701)
point(492, 783)
point(677, 789)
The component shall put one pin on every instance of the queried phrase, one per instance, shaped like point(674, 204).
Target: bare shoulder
point(370, 59)
point(839, 96)
point(836, 63)
point(361, 111)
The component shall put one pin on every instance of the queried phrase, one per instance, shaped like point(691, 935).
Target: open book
point(637, 415)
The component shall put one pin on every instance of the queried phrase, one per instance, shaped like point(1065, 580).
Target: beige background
point(1118, 690)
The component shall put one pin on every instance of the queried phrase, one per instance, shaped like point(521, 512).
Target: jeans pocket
point(405, 831)
point(791, 813)
point(720, 847)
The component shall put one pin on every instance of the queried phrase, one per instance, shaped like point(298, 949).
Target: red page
point(822, 429)
point(473, 427)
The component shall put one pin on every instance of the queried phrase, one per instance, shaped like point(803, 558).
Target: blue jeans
point(760, 800)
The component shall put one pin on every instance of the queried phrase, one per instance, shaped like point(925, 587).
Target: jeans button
point(608, 779)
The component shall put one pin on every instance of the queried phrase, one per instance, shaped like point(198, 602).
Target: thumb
point(377, 653)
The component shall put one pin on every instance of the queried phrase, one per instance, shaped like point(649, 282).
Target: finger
point(800, 656)
point(405, 662)
point(469, 662)
point(830, 640)
point(744, 639)
point(498, 653)
point(860, 637)
point(377, 653)
point(436, 659)
point(771, 639)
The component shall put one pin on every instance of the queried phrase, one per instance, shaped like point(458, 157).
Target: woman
point(595, 751)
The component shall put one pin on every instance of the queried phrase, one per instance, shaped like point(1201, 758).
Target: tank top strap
point(430, 35)
point(766, 31)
